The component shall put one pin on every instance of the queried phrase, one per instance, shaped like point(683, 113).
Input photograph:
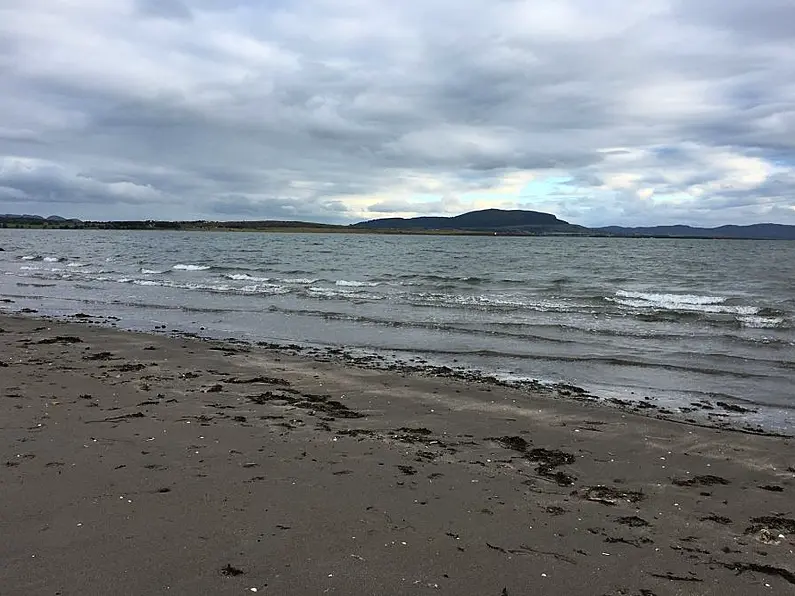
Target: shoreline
point(255, 227)
point(141, 463)
point(708, 413)
point(616, 338)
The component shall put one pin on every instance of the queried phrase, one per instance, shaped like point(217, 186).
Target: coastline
point(685, 343)
point(141, 463)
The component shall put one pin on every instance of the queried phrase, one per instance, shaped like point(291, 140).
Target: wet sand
point(145, 464)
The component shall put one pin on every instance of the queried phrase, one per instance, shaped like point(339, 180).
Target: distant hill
point(488, 220)
point(25, 216)
point(26, 219)
point(537, 223)
point(766, 231)
point(56, 222)
point(514, 222)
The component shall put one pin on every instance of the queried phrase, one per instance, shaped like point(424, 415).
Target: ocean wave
point(302, 281)
point(183, 267)
point(680, 302)
point(486, 302)
point(263, 289)
point(75, 264)
point(356, 284)
point(31, 258)
point(423, 279)
point(467, 279)
point(760, 322)
point(145, 282)
point(340, 293)
point(671, 298)
point(244, 277)
point(29, 268)
point(420, 324)
point(54, 259)
point(151, 271)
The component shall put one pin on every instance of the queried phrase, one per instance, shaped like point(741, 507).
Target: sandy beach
point(147, 464)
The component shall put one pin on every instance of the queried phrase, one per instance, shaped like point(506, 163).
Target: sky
point(626, 112)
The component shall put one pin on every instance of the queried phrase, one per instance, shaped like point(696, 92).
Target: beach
point(684, 323)
point(137, 463)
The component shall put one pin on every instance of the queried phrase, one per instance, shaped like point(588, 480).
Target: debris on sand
point(705, 480)
point(607, 495)
point(547, 459)
point(229, 571)
point(515, 443)
point(60, 339)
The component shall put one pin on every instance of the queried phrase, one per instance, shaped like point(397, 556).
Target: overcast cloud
point(615, 112)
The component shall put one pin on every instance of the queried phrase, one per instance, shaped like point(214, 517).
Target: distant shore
point(486, 222)
point(198, 227)
point(136, 463)
point(353, 231)
point(265, 227)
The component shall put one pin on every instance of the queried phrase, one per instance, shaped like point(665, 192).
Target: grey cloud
point(279, 209)
point(444, 206)
point(771, 19)
point(312, 109)
point(169, 9)
point(47, 183)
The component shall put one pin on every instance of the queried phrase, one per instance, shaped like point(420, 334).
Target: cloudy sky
point(618, 111)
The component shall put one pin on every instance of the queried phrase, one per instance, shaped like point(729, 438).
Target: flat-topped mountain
point(514, 221)
point(537, 223)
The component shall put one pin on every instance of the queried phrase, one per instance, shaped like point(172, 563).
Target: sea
point(676, 321)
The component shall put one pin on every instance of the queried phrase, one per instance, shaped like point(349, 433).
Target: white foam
point(321, 292)
point(29, 268)
point(672, 298)
point(267, 289)
point(356, 284)
point(490, 301)
point(299, 280)
point(207, 287)
point(151, 271)
point(758, 322)
point(31, 258)
point(245, 277)
point(51, 259)
point(147, 282)
point(76, 264)
point(687, 307)
point(182, 267)
point(485, 301)
point(681, 303)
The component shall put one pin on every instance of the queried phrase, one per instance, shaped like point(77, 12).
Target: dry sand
point(143, 464)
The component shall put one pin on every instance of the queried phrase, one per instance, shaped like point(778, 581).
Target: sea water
point(676, 320)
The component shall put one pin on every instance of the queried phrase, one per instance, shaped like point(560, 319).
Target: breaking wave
point(680, 302)
point(182, 267)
